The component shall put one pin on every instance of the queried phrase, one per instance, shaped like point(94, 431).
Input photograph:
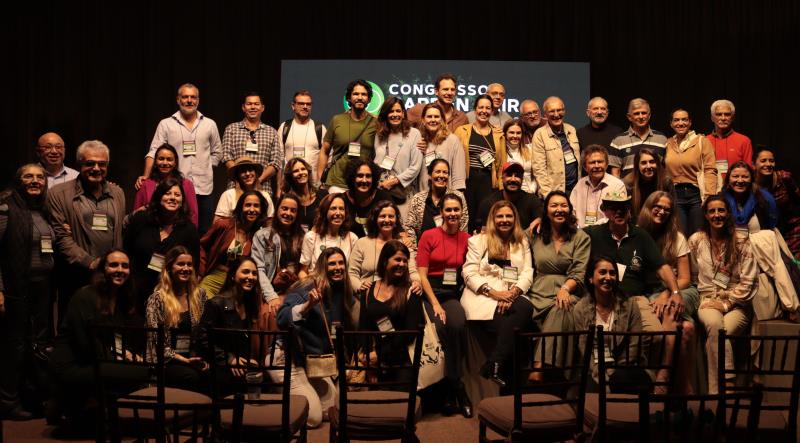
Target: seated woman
point(647, 177)
point(440, 143)
point(108, 301)
point(606, 305)
point(311, 307)
point(166, 165)
point(331, 230)
point(497, 272)
point(724, 269)
point(297, 179)
point(362, 193)
point(229, 239)
point(424, 209)
point(245, 173)
point(396, 151)
point(658, 217)
point(383, 225)
point(177, 304)
point(240, 305)
point(440, 256)
point(752, 208)
point(163, 225)
point(276, 250)
point(389, 305)
point(784, 189)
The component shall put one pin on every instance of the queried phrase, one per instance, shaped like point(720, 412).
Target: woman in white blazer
point(497, 273)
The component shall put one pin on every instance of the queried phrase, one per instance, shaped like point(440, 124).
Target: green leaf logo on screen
point(374, 105)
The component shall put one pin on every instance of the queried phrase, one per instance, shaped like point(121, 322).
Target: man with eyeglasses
point(50, 151)
point(556, 152)
point(196, 138)
point(498, 118)
point(531, 118)
point(300, 136)
point(255, 139)
point(598, 131)
point(87, 216)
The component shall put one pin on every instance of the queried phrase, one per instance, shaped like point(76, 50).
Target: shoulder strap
point(287, 125)
point(318, 131)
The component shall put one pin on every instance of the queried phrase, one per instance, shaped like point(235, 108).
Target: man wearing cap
point(529, 206)
point(255, 139)
point(585, 197)
point(555, 151)
point(50, 151)
point(244, 173)
point(638, 260)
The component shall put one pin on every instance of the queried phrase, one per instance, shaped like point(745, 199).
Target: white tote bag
point(431, 361)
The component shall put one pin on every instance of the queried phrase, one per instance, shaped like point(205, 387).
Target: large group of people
point(374, 221)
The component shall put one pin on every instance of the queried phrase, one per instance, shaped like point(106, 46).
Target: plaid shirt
point(234, 141)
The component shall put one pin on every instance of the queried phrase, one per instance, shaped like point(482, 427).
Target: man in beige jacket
point(555, 151)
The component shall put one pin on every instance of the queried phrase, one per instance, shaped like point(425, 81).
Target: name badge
point(569, 157)
point(590, 218)
point(156, 262)
point(721, 279)
point(438, 220)
point(430, 157)
point(742, 231)
point(182, 344)
point(189, 148)
point(99, 222)
point(385, 324)
point(628, 162)
point(47, 244)
point(299, 151)
point(607, 357)
point(510, 274)
point(621, 271)
point(362, 220)
point(487, 158)
point(354, 149)
point(118, 344)
point(722, 166)
point(251, 147)
point(450, 277)
point(387, 163)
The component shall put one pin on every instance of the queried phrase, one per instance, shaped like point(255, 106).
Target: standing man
point(598, 131)
point(639, 135)
point(445, 90)
point(351, 135)
point(254, 139)
point(87, 218)
point(50, 150)
point(531, 119)
point(498, 118)
point(586, 195)
point(555, 151)
point(729, 145)
point(196, 139)
point(299, 136)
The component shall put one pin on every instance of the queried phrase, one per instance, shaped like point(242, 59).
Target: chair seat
point(171, 396)
point(767, 420)
point(267, 417)
point(499, 412)
point(374, 416)
point(617, 414)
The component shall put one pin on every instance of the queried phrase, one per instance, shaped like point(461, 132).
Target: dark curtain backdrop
point(93, 70)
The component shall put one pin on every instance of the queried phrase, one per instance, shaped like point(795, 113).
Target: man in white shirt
point(300, 136)
point(50, 150)
point(587, 195)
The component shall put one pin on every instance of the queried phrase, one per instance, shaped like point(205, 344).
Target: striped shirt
point(625, 146)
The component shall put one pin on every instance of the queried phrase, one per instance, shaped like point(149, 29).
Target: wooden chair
point(379, 407)
point(632, 353)
point(548, 410)
point(153, 410)
point(698, 418)
point(274, 414)
point(771, 356)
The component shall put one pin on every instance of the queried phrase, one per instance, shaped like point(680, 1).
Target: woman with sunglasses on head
point(396, 152)
point(229, 239)
point(438, 143)
point(166, 165)
point(647, 177)
point(424, 210)
point(245, 173)
point(297, 178)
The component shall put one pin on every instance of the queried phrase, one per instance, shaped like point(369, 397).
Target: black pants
point(452, 334)
point(69, 279)
point(503, 325)
point(479, 186)
point(25, 333)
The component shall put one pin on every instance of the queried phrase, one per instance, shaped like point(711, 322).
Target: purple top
point(145, 193)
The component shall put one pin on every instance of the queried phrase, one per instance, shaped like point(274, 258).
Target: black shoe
point(463, 401)
point(492, 370)
point(450, 405)
point(17, 414)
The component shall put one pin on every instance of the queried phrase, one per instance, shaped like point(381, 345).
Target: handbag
point(398, 193)
point(322, 365)
point(324, 176)
point(431, 361)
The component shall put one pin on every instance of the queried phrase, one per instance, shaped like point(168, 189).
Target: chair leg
point(481, 431)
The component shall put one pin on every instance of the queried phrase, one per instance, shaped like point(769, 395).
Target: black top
point(220, 312)
point(529, 207)
point(589, 135)
point(408, 318)
point(307, 214)
point(360, 214)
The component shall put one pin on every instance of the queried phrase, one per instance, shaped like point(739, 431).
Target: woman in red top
point(441, 253)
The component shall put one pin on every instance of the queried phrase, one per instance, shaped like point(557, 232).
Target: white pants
point(734, 322)
point(321, 393)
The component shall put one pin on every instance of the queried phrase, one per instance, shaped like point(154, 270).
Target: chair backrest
point(563, 366)
point(352, 354)
point(775, 356)
point(706, 418)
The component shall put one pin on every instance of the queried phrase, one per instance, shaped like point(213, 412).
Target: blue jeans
point(688, 206)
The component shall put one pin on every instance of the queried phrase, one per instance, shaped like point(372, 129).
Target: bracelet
point(675, 292)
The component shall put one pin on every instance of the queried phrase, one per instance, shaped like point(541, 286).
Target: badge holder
point(354, 149)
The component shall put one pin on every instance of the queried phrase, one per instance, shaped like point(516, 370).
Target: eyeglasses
point(662, 209)
point(253, 136)
point(303, 104)
point(52, 147)
point(531, 114)
point(92, 164)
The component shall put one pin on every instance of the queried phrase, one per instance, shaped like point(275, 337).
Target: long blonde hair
point(495, 245)
point(172, 307)
point(524, 151)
